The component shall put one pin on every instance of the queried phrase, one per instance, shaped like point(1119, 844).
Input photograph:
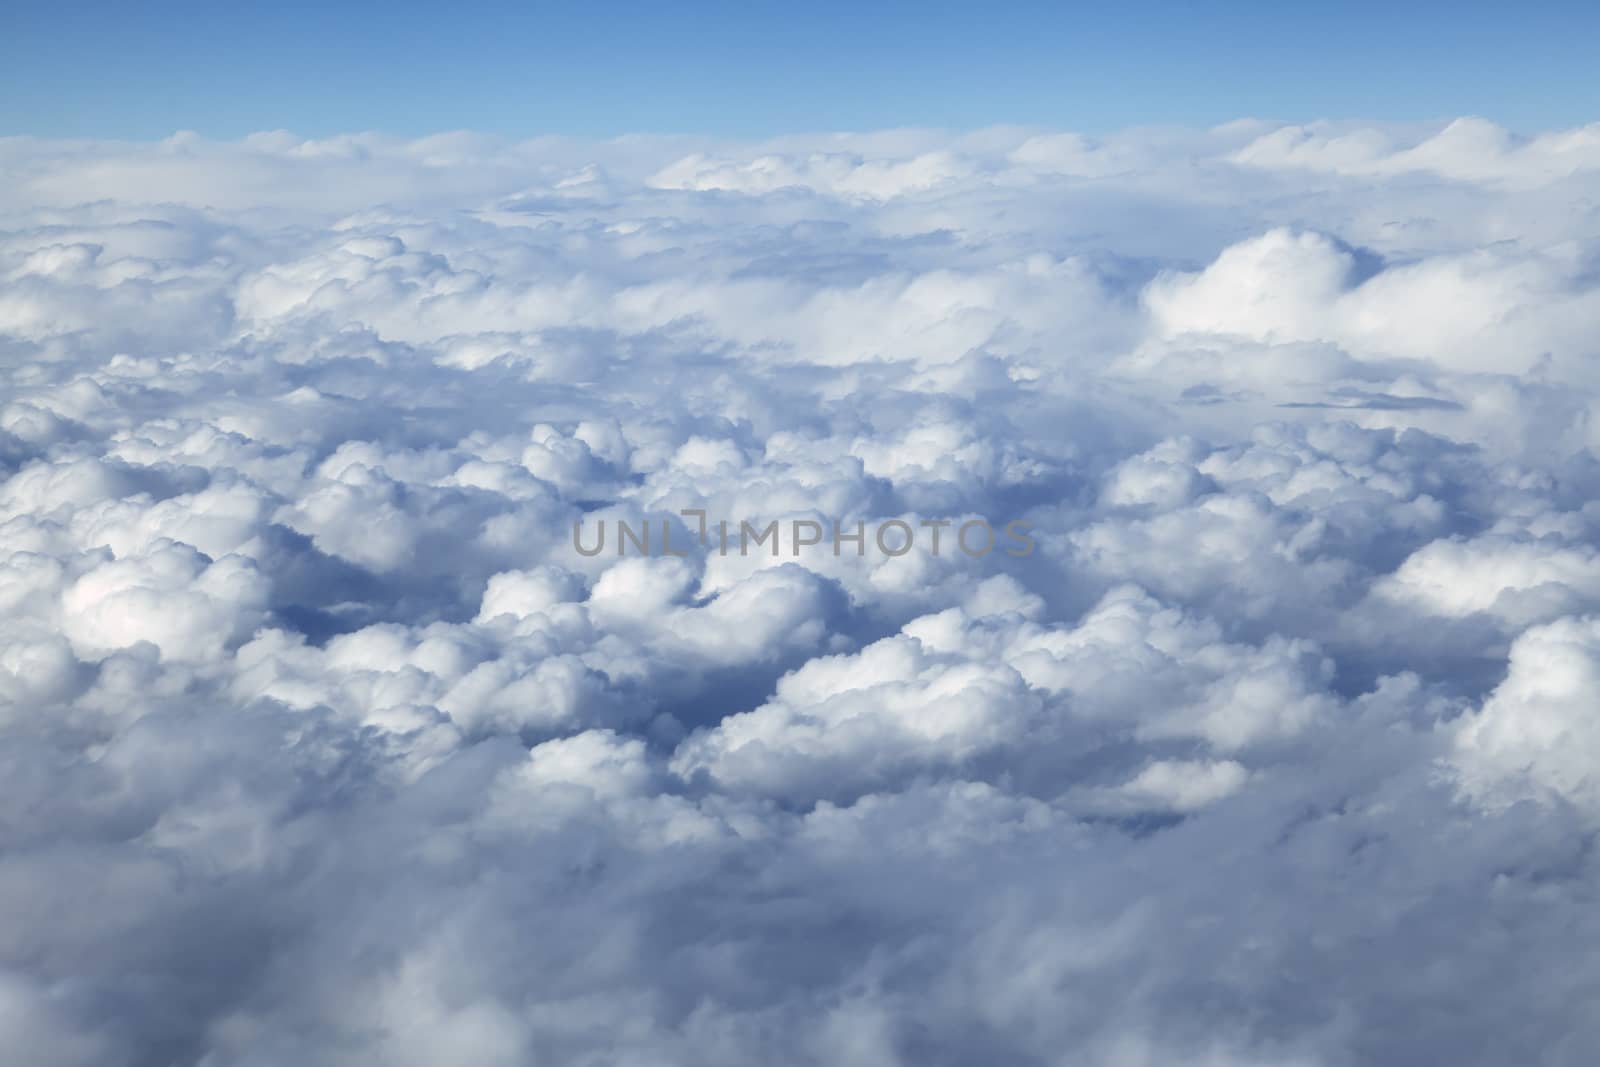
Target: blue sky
point(753, 69)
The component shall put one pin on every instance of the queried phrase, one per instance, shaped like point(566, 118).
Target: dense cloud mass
point(321, 744)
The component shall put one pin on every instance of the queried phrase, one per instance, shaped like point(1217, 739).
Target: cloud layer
point(321, 744)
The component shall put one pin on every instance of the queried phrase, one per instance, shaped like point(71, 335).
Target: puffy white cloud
point(1494, 574)
point(1487, 310)
point(1174, 785)
point(189, 607)
point(953, 688)
point(1536, 735)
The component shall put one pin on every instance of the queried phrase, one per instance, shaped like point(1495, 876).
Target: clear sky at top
point(144, 70)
